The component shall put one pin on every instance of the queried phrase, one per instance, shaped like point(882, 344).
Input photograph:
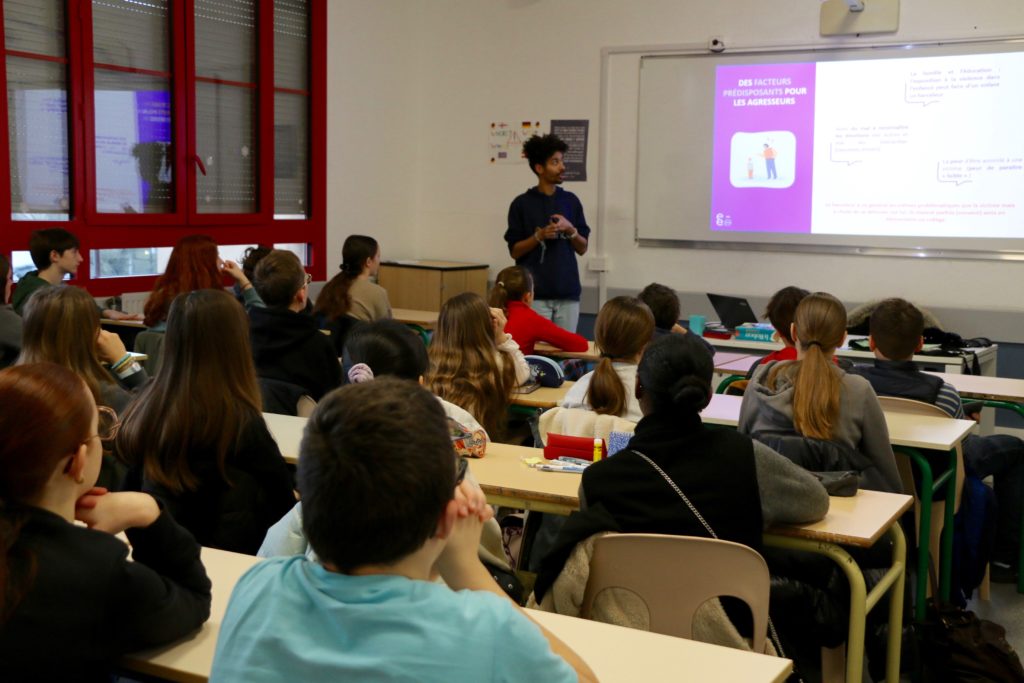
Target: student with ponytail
point(71, 602)
point(814, 398)
point(513, 293)
point(351, 292)
point(624, 327)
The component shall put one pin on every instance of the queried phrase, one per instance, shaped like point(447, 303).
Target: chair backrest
point(891, 404)
point(581, 422)
point(675, 575)
point(305, 406)
point(151, 344)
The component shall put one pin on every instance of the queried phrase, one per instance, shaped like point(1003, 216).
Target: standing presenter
point(546, 230)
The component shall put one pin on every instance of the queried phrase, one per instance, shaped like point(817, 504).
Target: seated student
point(474, 363)
point(780, 311)
point(664, 305)
point(10, 322)
point(815, 399)
point(385, 511)
point(195, 437)
point(193, 264)
point(897, 328)
point(72, 602)
point(513, 294)
point(62, 326)
point(250, 258)
point(383, 348)
point(287, 344)
point(351, 292)
point(55, 254)
point(739, 486)
point(624, 327)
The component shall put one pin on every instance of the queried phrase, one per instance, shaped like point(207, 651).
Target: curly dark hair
point(539, 148)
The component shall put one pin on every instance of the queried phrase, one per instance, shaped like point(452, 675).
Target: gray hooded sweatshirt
point(861, 422)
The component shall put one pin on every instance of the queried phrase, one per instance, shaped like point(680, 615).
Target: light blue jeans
point(563, 312)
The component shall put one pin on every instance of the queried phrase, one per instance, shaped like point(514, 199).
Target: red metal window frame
point(105, 231)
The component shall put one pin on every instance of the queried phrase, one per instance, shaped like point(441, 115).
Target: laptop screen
point(733, 311)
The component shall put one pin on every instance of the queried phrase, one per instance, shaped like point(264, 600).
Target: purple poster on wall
point(763, 148)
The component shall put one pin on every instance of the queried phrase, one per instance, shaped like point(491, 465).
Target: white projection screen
point(913, 150)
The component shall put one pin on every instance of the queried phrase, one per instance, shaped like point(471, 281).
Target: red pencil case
point(581, 447)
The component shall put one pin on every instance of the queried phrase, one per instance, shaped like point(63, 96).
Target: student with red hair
point(194, 264)
point(71, 601)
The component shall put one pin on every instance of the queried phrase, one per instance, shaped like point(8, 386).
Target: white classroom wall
point(415, 83)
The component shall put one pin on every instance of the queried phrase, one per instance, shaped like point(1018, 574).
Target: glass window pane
point(131, 33)
point(35, 26)
point(291, 44)
point(291, 161)
point(226, 143)
point(147, 260)
point(37, 126)
point(300, 249)
point(133, 143)
point(226, 39)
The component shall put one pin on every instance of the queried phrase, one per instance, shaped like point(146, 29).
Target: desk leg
point(899, 561)
point(946, 553)
point(862, 602)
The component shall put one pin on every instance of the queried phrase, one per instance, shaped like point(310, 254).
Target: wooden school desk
point(950, 364)
point(617, 655)
point(544, 397)
point(426, 285)
point(592, 354)
point(426, 320)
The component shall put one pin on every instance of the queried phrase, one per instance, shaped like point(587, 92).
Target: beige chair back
point(305, 406)
point(675, 575)
point(581, 422)
point(151, 344)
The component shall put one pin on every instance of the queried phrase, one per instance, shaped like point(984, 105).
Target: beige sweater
point(369, 300)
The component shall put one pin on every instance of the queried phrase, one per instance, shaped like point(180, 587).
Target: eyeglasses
point(107, 425)
point(309, 278)
point(461, 465)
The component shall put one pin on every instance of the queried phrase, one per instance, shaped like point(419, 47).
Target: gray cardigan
point(861, 422)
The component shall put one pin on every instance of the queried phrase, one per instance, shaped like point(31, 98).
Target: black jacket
point(88, 604)
point(289, 347)
point(235, 514)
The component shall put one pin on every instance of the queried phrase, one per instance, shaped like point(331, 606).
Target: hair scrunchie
point(359, 373)
point(813, 343)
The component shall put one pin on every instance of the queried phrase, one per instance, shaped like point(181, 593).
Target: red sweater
point(528, 327)
point(785, 353)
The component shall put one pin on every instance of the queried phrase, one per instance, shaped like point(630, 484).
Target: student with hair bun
point(513, 293)
point(738, 485)
point(814, 398)
point(624, 327)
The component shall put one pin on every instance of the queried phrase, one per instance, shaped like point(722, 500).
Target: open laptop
point(732, 311)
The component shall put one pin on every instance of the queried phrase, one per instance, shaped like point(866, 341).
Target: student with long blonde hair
point(513, 294)
point(812, 397)
point(474, 363)
point(195, 435)
point(623, 329)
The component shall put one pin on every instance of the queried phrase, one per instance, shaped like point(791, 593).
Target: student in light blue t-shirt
point(386, 511)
